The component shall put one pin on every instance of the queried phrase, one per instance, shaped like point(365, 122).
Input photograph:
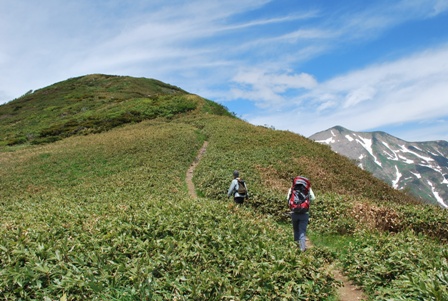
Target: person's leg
point(295, 226)
point(303, 223)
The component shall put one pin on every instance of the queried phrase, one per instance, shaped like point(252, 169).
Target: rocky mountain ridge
point(420, 168)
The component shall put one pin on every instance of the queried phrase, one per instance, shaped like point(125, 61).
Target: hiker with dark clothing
point(238, 189)
point(300, 218)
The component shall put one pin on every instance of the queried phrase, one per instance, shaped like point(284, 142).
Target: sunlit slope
point(269, 158)
point(93, 104)
point(348, 198)
point(107, 216)
point(376, 233)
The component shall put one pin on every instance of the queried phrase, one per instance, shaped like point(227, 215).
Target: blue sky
point(296, 65)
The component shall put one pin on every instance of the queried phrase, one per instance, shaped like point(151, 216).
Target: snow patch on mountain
point(397, 179)
point(367, 144)
point(416, 174)
point(437, 196)
point(406, 150)
point(327, 141)
point(392, 156)
point(405, 160)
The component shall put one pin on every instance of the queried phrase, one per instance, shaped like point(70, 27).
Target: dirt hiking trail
point(189, 178)
point(347, 292)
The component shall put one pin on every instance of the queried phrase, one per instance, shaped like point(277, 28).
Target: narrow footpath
point(347, 292)
point(189, 177)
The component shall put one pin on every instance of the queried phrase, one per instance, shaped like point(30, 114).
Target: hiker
point(238, 189)
point(300, 196)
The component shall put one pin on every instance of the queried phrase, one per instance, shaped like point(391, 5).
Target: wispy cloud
point(412, 89)
point(268, 89)
point(309, 40)
point(407, 79)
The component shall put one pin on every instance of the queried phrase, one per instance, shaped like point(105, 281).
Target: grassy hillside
point(103, 213)
point(92, 104)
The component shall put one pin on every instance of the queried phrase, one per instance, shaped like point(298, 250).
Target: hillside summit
point(93, 104)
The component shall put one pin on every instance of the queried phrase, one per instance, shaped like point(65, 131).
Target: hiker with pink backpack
point(300, 196)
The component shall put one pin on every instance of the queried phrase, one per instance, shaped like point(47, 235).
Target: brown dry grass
point(314, 169)
point(271, 177)
point(375, 217)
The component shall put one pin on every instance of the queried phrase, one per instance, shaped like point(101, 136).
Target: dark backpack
point(299, 199)
point(242, 190)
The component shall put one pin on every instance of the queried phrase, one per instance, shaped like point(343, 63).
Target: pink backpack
point(299, 199)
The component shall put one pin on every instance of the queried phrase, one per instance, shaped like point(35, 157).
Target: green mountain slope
point(104, 213)
point(92, 104)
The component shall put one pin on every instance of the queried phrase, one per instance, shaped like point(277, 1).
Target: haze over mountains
point(421, 168)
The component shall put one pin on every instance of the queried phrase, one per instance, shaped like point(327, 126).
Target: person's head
point(236, 174)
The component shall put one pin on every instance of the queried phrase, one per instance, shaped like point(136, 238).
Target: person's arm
point(231, 188)
point(288, 196)
point(312, 196)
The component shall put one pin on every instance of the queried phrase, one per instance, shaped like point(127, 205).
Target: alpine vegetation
point(95, 205)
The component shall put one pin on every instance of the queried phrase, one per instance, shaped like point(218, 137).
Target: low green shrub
point(401, 266)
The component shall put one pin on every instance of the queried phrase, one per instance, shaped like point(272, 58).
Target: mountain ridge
point(421, 168)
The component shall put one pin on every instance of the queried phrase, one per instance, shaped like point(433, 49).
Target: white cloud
point(266, 88)
point(439, 7)
point(418, 81)
point(358, 95)
point(412, 89)
point(52, 41)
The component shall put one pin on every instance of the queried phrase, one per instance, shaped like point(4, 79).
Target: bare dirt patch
point(378, 218)
point(348, 291)
point(271, 177)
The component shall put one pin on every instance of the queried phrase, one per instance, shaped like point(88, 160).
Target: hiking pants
point(299, 224)
point(239, 199)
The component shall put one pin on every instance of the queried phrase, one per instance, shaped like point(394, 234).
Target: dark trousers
point(239, 200)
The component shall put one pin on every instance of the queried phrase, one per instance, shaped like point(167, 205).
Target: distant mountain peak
point(421, 168)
